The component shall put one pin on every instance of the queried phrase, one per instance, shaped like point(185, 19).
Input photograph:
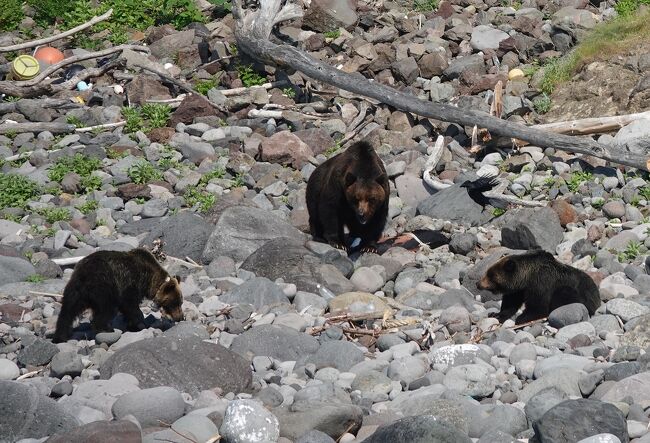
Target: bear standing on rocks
point(541, 282)
point(107, 281)
point(350, 189)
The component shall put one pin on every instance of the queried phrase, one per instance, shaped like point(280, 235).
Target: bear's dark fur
point(541, 282)
point(350, 189)
point(108, 281)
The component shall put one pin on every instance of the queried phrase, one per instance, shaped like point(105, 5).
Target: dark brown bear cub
point(350, 189)
point(108, 281)
point(541, 282)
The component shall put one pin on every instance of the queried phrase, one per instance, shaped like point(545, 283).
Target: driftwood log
point(253, 29)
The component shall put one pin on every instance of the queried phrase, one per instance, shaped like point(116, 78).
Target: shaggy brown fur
point(539, 281)
point(108, 281)
point(350, 189)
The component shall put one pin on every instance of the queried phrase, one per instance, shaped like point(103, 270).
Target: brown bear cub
point(350, 189)
point(108, 281)
point(541, 282)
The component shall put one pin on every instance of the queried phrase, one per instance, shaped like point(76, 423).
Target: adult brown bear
point(108, 281)
point(541, 282)
point(350, 189)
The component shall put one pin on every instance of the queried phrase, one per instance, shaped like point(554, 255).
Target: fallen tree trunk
point(54, 128)
point(252, 31)
point(596, 125)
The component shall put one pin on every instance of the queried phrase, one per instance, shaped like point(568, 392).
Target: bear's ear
point(509, 265)
point(349, 179)
point(178, 278)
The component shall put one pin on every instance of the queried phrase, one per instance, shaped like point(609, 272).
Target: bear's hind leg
point(103, 308)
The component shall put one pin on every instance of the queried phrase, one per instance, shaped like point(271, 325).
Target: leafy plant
point(578, 178)
point(11, 14)
point(35, 278)
point(597, 204)
point(146, 118)
point(289, 92)
point(222, 4)
point(215, 173)
point(203, 86)
point(238, 181)
point(249, 77)
point(53, 215)
point(632, 251)
point(425, 5)
point(498, 212)
point(88, 207)
point(157, 114)
point(143, 172)
point(16, 191)
point(114, 154)
point(91, 183)
point(625, 8)
point(333, 34)
point(644, 192)
point(197, 195)
point(79, 163)
point(74, 120)
point(542, 104)
point(129, 15)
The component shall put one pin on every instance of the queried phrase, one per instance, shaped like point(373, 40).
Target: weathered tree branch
point(252, 32)
point(596, 125)
point(56, 37)
point(54, 128)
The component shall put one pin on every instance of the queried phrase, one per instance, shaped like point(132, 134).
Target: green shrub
point(78, 163)
point(143, 172)
point(11, 15)
point(131, 15)
point(249, 77)
point(146, 118)
point(16, 191)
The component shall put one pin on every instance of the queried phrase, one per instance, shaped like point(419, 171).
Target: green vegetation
point(603, 41)
point(226, 5)
point(53, 215)
point(238, 181)
point(215, 173)
point(82, 165)
point(16, 191)
point(114, 154)
point(542, 104)
point(35, 278)
point(249, 77)
point(425, 5)
point(644, 192)
point(632, 251)
point(144, 172)
point(127, 15)
point(498, 212)
point(625, 8)
point(11, 14)
point(88, 207)
point(289, 92)
point(146, 118)
point(578, 178)
point(334, 34)
point(597, 204)
point(74, 120)
point(196, 195)
point(203, 86)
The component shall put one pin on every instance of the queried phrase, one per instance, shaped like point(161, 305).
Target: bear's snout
point(485, 283)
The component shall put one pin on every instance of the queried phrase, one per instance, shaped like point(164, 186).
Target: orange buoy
point(49, 55)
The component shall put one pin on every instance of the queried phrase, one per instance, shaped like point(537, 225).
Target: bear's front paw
point(339, 246)
point(369, 249)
